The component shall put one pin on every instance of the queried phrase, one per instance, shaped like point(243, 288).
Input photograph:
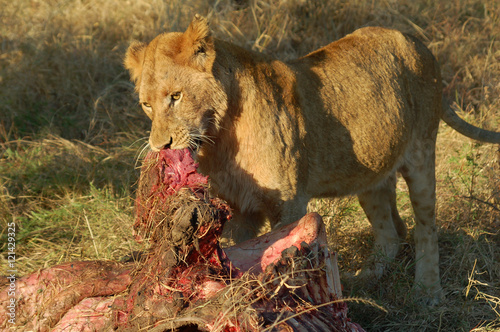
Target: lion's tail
point(454, 121)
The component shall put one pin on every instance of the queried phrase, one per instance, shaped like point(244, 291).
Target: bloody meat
point(284, 281)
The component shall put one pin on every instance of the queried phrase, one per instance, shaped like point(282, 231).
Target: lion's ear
point(198, 45)
point(134, 59)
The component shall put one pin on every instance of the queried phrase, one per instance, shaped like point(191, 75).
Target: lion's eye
point(176, 95)
point(146, 107)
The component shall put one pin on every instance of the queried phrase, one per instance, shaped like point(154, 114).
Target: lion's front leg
point(243, 226)
point(289, 211)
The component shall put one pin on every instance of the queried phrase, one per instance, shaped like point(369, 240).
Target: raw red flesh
point(256, 254)
point(44, 297)
point(91, 314)
point(177, 170)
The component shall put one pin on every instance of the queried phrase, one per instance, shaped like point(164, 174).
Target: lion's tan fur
point(341, 120)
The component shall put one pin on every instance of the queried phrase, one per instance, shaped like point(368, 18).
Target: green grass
point(59, 191)
point(71, 130)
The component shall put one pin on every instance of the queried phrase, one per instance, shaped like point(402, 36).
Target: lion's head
point(177, 90)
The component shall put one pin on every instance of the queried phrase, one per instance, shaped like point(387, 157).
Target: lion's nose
point(169, 144)
point(157, 148)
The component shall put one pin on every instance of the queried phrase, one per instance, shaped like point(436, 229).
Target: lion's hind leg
point(379, 204)
point(419, 174)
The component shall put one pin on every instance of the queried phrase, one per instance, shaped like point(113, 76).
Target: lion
point(272, 135)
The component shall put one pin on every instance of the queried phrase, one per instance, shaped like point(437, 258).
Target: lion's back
point(376, 91)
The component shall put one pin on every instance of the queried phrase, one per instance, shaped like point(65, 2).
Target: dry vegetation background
point(71, 130)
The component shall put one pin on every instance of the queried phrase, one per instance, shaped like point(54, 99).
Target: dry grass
point(70, 129)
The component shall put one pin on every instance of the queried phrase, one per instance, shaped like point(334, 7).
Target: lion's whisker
point(138, 140)
point(202, 138)
point(142, 152)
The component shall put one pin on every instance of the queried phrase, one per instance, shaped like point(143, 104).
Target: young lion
point(272, 135)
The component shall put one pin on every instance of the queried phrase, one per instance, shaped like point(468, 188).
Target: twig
point(481, 201)
point(91, 234)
